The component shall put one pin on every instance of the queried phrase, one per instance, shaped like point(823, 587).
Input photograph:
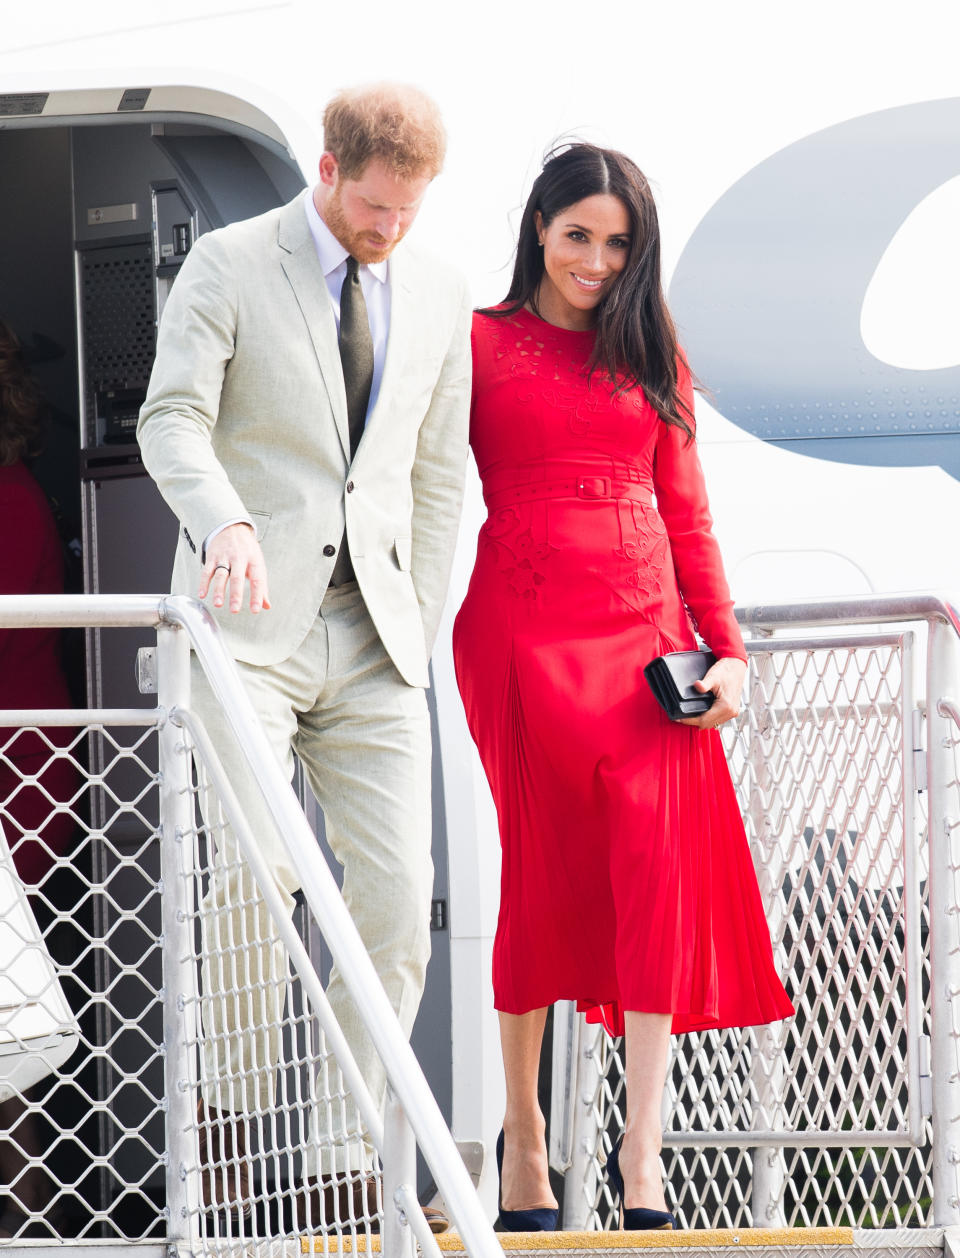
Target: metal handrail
point(81, 611)
point(868, 609)
point(319, 888)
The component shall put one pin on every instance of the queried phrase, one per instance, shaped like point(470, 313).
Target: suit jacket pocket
point(403, 546)
point(261, 522)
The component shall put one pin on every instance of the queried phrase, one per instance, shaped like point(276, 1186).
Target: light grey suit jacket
point(246, 416)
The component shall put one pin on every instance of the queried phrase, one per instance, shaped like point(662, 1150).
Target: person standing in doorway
point(307, 422)
point(39, 782)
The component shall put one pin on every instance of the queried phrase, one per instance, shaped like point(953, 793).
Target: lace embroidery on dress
point(643, 548)
point(519, 556)
point(547, 358)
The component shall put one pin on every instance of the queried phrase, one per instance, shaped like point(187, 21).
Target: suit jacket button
point(350, 486)
point(329, 550)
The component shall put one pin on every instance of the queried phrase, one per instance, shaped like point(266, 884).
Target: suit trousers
point(363, 737)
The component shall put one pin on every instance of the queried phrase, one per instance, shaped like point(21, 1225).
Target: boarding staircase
point(838, 1132)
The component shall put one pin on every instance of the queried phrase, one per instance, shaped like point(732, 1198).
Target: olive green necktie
point(356, 352)
point(356, 356)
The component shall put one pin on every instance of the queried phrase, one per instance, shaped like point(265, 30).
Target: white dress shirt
point(375, 282)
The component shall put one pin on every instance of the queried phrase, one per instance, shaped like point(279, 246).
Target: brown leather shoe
point(336, 1201)
point(224, 1173)
point(437, 1218)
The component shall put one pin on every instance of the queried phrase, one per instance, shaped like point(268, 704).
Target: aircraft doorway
point(95, 222)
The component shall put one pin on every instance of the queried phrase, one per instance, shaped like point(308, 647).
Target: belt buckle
point(593, 487)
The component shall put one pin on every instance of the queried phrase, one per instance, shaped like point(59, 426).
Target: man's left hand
point(233, 558)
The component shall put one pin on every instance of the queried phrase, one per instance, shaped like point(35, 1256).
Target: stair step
point(821, 1239)
point(792, 1242)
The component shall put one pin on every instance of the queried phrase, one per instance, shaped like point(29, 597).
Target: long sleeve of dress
point(682, 503)
point(23, 563)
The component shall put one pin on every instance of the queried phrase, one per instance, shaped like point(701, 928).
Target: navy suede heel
point(543, 1219)
point(639, 1219)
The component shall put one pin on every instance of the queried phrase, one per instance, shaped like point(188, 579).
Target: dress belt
point(591, 487)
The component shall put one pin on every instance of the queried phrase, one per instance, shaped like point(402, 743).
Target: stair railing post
point(943, 682)
point(766, 1067)
point(399, 1178)
point(177, 822)
point(582, 1179)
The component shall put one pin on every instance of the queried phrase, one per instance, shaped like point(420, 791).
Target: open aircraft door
point(105, 191)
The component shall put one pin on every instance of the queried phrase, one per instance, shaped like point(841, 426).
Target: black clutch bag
point(671, 679)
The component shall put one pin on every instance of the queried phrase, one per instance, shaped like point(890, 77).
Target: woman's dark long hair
point(636, 343)
point(22, 409)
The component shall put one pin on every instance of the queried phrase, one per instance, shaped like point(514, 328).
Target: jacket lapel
point(298, 257)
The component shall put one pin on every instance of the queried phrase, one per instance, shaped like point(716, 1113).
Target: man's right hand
point(234, 556)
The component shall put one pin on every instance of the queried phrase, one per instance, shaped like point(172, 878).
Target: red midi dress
point(627, 880)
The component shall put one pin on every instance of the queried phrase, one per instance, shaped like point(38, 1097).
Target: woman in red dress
point(32, 776)
point(627, 881)
point(31, 672)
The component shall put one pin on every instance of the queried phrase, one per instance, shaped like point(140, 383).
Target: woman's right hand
point(725, 679)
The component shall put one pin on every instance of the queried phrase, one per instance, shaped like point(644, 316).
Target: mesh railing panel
point(281, 1127)
point(82, 1150)
point(203, 1092)
point(817, 759)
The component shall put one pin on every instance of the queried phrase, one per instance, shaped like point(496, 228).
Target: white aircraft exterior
point(704, 96)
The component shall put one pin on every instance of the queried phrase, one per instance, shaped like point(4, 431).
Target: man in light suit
point(307, 422)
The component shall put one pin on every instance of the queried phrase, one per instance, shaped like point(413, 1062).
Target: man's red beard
point(364, 246)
